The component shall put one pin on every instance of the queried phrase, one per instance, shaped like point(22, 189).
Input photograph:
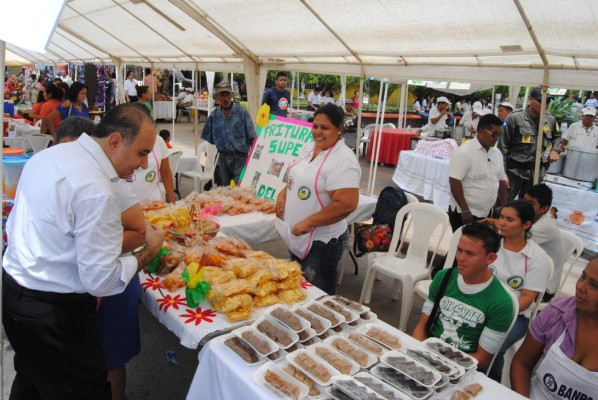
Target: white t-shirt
point(326, 100)
point(479, 172)
point(546, 234)
point(429, 128)
point(314, 99)
point(578, 136)
point(146, 182)
point(130, 87)
point(510, 268)
point(467, 120)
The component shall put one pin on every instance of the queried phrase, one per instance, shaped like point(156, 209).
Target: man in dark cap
point(230, 129)
point(518, 144)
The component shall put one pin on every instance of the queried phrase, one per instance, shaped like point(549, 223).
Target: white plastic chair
point(540, 295)
point(173, 160)
point(367, 134)
point(422, 288)
point(414, 267)
point(573, 244)
point(38, 142)
point(515, 315)
point(208, 158)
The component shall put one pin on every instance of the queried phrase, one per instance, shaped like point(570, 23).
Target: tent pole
point(373, 140)
point(540, 133)
point(173, 101)
point(359, 130)
point(401, 105)
point(385, 98)
point(492, 100)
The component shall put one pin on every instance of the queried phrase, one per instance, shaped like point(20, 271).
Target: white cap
point(443, 99)
point(589, 111)
point(507, 105)
point(477, 106)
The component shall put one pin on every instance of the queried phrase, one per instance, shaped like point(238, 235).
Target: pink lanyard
point(525, 263)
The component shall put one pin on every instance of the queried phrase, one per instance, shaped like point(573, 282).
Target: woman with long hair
point(73, 106)
point(52, 97)
point(522, 265)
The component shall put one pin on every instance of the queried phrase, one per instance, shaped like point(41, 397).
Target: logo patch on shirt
point(550, 383)
point(283, 103)
point(515, 281)
point(150, 176)
point(304, 193)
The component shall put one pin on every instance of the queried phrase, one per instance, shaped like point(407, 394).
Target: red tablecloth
point(393, 142)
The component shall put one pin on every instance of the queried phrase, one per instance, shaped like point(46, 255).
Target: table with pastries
point(222, 374)
point(394, 140)
point(424, 176)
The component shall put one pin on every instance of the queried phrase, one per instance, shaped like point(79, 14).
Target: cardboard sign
point(278, 145)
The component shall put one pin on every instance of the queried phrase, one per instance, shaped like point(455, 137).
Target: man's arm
point(167, 180)
point(483, 357)
point(134, 228)
point(435, 120)
point(503, 192)
point(419, 332)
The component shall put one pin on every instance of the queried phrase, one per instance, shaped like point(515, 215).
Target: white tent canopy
point(507, 42)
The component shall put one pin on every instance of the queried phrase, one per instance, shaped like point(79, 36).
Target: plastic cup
point(12, 167)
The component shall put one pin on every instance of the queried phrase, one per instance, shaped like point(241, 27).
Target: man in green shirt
point(475, 312)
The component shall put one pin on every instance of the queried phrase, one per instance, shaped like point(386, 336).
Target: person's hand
point(154, 236)
point(553, 156)
point(466, 218)
point(491, 221)
point(301, 228)
point(280, 200)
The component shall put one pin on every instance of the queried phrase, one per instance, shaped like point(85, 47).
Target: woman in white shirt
point(327, 98)
point(521, 265)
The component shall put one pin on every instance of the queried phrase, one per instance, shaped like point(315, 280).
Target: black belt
point(231, 153)
point(9, 281)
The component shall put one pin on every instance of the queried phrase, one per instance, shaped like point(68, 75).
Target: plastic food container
point(236, 345)
point(349, 314)
point(297, 389)
point(251, 336)
point(353, 388)
point(402, 382)
point(433, 360)
point(325, 312)
point(321, 323)
point(278, 333)
point(382, 388)
point(12, 167)
point(288, 318)
point(352, 365)
point(362, 357)
point(452, 353)
point(314, 372)
point(414, 369)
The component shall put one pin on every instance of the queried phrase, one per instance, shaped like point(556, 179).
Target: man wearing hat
point(504, 110)
point(471, 118)
point(582, 133)
point(437, 117)
point(187, 101)
point(518, 144)
point(313, 99)
point(230, 129)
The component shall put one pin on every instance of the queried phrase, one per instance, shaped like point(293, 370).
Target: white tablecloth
point(192, 325)
point(223, 375)
point(163, 109)
point(257, 227)
point(568, 200)
point(18, 142)
point(425, 176)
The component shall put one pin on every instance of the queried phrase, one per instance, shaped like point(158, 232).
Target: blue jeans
point(320, 266)
point(519, 330)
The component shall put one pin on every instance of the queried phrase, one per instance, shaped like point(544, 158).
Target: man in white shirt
point(476, 175)
point(64, 250)
point(130, 88)
point(470, 119)
point(592, 101)
point(187, 100)
point(437, 117)
point(582, 133)
point(313, 99)
point(545, 233)
point(64, 77)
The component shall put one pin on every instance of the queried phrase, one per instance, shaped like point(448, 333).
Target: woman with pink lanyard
point(564, 333)
point(322, 190)
point(522, 265)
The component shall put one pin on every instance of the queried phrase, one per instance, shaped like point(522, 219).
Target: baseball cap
point(507, 105)
point(477, 106)
point(443, 99)
point(223, 87)
point(589, 111)
point(536, 93)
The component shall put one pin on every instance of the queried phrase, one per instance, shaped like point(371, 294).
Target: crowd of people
point(79, 240)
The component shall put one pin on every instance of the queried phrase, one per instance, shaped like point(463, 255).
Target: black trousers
point(518, 186)
point(456, 220)
point(57, 353)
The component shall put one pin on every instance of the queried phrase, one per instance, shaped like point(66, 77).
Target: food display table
point(576, 211)
point(193, 326)
point(222, 375)
point(163, 109)
point(393, 142)
point(424, 176)
point(257, 227)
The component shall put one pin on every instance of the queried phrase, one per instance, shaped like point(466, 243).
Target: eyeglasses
point(494, 134)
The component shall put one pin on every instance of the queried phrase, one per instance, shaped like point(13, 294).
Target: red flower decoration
point(305, 284)
point(154, 284)
point(168, 301)
point(198, 315)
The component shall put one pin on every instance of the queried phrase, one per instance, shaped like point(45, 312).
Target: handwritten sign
point(278, 144)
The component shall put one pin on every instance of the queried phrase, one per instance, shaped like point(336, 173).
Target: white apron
point(559, 377)
point(302, 201)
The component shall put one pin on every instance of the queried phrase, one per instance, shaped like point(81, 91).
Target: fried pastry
point(474, 389)
point(292, 296)
point(240, 301)
point(267, 300)
point(265, 288)
point(459, 395)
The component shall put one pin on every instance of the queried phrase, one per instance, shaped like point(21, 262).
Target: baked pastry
point(275, 333)
point(474, 389)
point(335, 360)
point(287, 318)
point(256, 342)
point(315, 368)
point(241, 349)
point(282, 384)
point(316, 324)
point(306, 380)
point(459, 395)
point(366, 343)
point(339, 309)
point(384, 337)
point(324, 313)
point(351, 351)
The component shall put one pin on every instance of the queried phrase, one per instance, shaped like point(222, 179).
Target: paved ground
point(152, 377)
